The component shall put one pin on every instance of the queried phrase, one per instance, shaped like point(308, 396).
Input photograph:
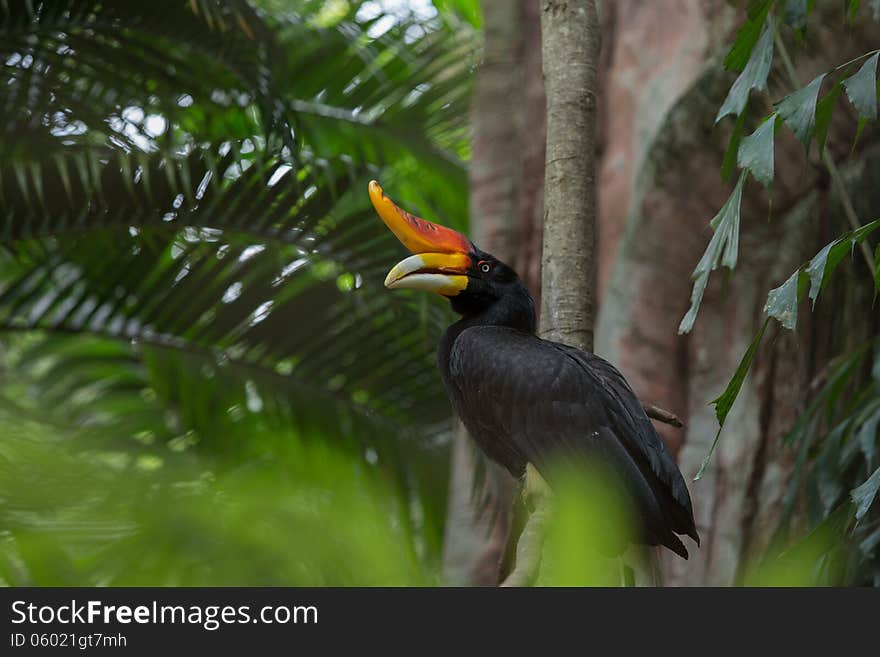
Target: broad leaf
point(816, 270)
point(824, 112)
point(748, 35)
point(861, 89)
point(756, 151)
point(722, 249)
point(726, 226)
point(782, 302)
point(687, 322)
point(798, 110)
point(864, 495)
point(724, 402)
point(753, 76)
point(823, 264)
point(731, 153)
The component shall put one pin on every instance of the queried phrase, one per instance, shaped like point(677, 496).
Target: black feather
point(527, 400)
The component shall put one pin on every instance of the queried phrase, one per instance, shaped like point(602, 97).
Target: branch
point(662, 415)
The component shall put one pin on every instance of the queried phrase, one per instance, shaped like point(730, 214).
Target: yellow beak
point(441, 255)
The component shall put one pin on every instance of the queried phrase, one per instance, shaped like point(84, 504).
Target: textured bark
point(570, 43)
point(506, 187)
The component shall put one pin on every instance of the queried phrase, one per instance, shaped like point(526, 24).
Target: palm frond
point(188, 262)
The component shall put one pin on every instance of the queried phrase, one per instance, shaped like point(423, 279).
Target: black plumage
point(527, 400)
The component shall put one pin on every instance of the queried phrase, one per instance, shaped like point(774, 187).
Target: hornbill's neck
point(514, 309)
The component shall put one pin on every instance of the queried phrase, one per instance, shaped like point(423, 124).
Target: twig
point(662, 415)
point(855, 59)
point(836, 178)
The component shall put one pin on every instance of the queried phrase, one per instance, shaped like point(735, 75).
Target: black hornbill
point(528, 401)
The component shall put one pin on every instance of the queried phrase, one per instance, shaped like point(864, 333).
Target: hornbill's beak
point(441, 255)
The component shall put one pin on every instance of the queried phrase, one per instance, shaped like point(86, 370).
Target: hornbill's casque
point(528, 401)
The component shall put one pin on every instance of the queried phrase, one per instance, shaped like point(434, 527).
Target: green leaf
point(726, 225)
point(798, 109)
point(861, 89)
point(825, 262)
point(724, 402)
point(877, 270)
point(816, 270)
point(756, 151)
point(754, 76)
point(687, 322)
point(864, 495)
point(748, 35)
point(859, 234)
point(852, 10)
point(824, 111)
point(240, 280)
point(867, 437)
point(722, 249)
point(728, 165)
point(782, 302)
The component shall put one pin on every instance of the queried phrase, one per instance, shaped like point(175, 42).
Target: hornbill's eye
point(485, 267)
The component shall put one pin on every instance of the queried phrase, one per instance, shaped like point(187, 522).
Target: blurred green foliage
point(310, 515)
point(202, 379)
point(590, 525)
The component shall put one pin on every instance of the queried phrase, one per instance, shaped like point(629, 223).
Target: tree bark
point(570, 38)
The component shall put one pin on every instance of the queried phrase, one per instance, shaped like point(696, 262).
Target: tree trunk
point(570, 37)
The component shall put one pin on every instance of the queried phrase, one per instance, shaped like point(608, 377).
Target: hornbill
point(529, 402)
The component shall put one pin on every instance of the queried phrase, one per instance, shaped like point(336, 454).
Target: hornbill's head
point(445, 261)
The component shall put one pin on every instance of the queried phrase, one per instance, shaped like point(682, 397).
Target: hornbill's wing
point(551, 401)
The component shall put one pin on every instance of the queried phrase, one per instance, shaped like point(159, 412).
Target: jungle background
point(204, 382)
